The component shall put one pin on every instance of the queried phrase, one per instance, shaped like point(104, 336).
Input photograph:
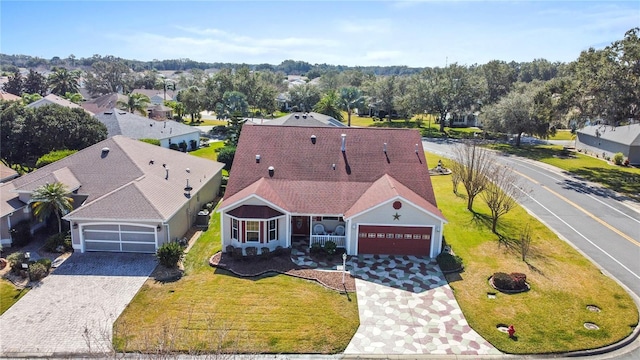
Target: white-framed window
point(252, 231)
point(234, 229)
point(273, 230)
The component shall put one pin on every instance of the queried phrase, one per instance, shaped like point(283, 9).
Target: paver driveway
point(406, 307)
point(73, 309)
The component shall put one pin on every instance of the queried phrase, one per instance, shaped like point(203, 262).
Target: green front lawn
point(211, 310)
point(563, 135)
point(209, 152)
point(548, 318)
point(619, 178)
point(9, 295)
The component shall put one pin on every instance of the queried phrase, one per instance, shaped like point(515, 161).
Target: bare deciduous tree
point(472, 165)
point(501, 192)
point(525, 241)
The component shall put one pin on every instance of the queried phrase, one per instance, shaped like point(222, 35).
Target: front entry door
point(300, 225)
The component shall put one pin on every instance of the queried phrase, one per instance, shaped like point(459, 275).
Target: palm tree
point(64, 81)
point(51, 199)
point(350, 97)
point(329, 105)
point(137, 102)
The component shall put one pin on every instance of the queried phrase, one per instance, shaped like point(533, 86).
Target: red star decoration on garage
point(396, 216)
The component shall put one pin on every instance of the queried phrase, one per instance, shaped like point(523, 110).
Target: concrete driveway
point(73, 309)
point(406, 307)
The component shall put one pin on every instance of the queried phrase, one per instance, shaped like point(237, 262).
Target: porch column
point(287, 232)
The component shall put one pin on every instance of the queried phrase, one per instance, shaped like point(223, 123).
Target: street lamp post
point(344, 266)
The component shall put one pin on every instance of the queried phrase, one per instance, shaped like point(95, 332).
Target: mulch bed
point(282, 264)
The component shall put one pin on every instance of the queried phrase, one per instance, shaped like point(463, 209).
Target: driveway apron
point(73, 309)
point(406, 307)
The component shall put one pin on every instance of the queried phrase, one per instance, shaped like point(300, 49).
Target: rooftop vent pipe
point(258, 159)
point(416, 148)
point(271, 170)
point(344, 142)
point(313, 139)
point(384, 148)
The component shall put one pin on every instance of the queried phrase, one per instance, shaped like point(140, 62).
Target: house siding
point(178, 139)
point(7, 222)
point(384, 216)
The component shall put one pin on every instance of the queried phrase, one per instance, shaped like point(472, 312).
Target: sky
point(416, 33)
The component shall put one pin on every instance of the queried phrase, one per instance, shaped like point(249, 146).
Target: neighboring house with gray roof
point(104, 103)
point(120, 122)
point(7, 173)
point(129, 196)
point(57, 100)
point(157, 96)
point(609, 140)
point(303, 119)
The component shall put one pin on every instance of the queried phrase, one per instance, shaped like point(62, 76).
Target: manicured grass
point(9, 295)
point(210, 152)
point(619, 178)
point(548, 318)
point(563, 135)
point(210, 310)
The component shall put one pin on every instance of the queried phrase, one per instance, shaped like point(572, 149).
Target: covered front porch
point(319, 229)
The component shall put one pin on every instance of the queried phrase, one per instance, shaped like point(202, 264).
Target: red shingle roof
point(319, 178)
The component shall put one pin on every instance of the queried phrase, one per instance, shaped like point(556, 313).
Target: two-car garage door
point(394, 240)
point(119, 238)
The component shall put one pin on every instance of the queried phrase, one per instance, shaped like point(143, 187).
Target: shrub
point(449, 262)
point(174, 146)
point(618, 158)
point(183, 146)
point(155, 142)
point(53, 156)
point(46, 262)
point(330, 247)
point(251, 251)
point(37, 271)
point(513, 281)
point(169, 254)
point(193, 144)
point(226, 155)
point(229, 249)
point(265, 253)
point(315, 248)
point(237, 253)
point(15, 260)
point(21, 233)
point(58, 241)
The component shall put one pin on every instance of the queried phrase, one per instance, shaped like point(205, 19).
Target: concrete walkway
point(406, 307)
point(73, 309)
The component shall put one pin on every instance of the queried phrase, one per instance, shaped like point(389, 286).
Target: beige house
point(128, 196)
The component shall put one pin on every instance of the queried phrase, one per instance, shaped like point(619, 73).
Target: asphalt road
point(602, 224)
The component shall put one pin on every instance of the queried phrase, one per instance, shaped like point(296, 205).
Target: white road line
point(577, 189)
point(581, 235)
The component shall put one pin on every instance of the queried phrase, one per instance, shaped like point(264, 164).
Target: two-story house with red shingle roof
point(368, 190)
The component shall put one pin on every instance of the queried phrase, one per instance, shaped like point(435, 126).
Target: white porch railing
point(322, 239)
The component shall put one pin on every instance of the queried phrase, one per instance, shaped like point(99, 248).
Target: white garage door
point(119, 238)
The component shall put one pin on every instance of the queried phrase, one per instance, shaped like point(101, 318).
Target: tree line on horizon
point(534, 97)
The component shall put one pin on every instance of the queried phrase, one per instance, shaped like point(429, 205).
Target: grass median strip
point(548, 318)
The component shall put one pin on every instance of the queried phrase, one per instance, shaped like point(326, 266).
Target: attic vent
point(297, 116)
point(333, 166)
point(313, 139)
point(151, 124)
point(257, 158)
point(188, 170)
point(271, 171)
point(150, 162)
point(304, 116)
point(108, 112)
point(105, 149)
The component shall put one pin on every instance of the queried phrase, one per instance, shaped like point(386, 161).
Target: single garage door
point(119, 238)
point(394, 240)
